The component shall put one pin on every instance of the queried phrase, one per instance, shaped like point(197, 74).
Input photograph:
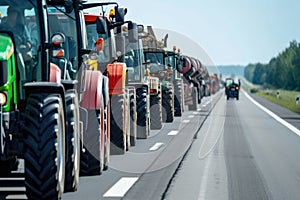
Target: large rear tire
point(72, 142)
point(194, 100)
point(178, 98)
point(168, 105)
point(142, 114)
point(117, 124)
point(44, 146)
point(155, 112)
point(107, 137)
point(92, 161)
point(133, 118)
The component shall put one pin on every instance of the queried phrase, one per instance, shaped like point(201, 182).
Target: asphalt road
point(225, 150)
point(144, 172)
point(241, 152)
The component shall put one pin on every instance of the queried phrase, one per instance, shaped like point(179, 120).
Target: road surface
point(224, 150)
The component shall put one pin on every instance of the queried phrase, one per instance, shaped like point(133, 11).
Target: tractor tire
point(133, 119)
point(178, 99)
point(92, 158)
point(142, 115)
point(44, 146)
point(107, 137)
point(155, 112)
point(194, 100)
point(117, 124)
point(72, 142)
point(168, 105)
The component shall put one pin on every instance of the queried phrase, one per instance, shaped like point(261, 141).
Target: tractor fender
point(45, 87)
point(55, 73)
point(117, 77)
point(93, 93)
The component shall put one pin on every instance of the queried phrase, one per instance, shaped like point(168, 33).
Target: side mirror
point(120, 14)
point(133, 32)
point(101, 26)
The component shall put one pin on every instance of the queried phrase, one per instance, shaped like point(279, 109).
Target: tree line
point(282, 71)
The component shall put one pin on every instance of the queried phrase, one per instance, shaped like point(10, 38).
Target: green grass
point(286, 98)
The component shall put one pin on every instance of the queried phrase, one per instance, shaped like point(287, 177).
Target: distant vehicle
point(232, 88)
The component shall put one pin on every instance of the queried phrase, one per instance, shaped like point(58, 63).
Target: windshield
point(19, 18)
point(133, 60)
point(60, 22)
point(156, 61)
point(104, 55)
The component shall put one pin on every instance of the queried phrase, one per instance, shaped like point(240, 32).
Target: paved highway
point(225, 150)
point(241, 152)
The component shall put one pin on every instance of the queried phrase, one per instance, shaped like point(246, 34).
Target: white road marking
point(190, 116)
point(120, 188)
point(204, 180)
point(12, 179)
point(276, 117)
point(204, 105)
point(195, 113)
point(16, 196)
point(199, 109)
point(186, 121)
point(173, 133)
point(156, 146)
point(12, 189)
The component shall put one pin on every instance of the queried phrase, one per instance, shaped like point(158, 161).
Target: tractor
point(111, 61)
point(46, 96)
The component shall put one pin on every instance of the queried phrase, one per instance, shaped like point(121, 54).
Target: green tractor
point(42, 84)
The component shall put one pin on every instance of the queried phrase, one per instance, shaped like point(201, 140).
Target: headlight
point(3, 98)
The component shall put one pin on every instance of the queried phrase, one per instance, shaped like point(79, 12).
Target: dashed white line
point(173, 133)
point(12, 189)
point(186, 121)
point(120, 188)
point(195, 113)
point(191, 116)
point(12, 179)
point(156, 146)
point(16, 196)
point(199, 109)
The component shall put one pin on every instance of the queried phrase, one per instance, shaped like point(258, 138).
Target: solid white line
point(16, 196)
point(185, 121)
point(276, 117)
point(12, 189)
point(190, 116)
point(173, 133)
point(156, 146)
point(120, 188)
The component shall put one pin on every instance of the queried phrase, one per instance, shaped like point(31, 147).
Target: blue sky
point(222, 32)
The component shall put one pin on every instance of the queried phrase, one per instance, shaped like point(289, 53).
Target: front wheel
point(44, 146)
